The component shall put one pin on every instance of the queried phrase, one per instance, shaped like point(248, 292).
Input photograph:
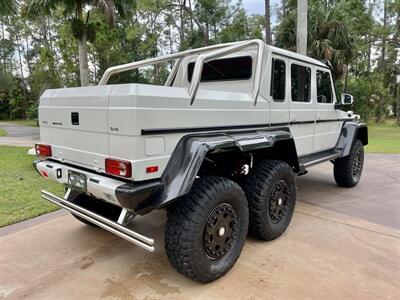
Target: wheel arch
point(351, 131)
point(193, 150)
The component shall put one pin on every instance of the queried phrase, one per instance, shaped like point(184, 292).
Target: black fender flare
point(190, 152)
point(351, 131)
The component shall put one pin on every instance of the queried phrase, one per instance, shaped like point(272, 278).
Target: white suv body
point(231, 104)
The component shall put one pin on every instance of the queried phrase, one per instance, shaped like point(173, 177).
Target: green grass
point(383, 137)
point(31, 123)
point(3, 132)
point(20, 187)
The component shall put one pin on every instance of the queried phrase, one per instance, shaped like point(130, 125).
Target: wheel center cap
point(280, 201)
point(221, 231)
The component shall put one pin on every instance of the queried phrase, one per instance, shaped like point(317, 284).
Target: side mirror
point(346, 99)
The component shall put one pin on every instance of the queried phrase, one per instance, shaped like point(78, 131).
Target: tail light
point(43, 150)
point(118, 167)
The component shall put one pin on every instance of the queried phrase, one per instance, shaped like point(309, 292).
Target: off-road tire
point(189, 222)
point(347, 170)
point(107, 210)
point(260, 187)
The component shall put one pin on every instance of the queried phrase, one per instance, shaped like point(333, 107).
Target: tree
point(9, 7)
point(82, 30)
point(301, 40)
point(267, 23)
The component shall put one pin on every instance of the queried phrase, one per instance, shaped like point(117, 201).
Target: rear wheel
point(207, 228)
point(271, 193)
point(347, 170)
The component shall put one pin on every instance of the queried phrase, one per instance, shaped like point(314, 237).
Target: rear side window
point(278, 74)
point(300, 83)
point(235, 68)
point(324, 87)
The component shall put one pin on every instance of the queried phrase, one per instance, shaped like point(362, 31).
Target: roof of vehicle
point(297, 56)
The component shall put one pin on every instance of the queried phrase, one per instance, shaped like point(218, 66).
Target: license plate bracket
point(77, 181)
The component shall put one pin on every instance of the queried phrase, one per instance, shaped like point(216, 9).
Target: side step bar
point(113, 227)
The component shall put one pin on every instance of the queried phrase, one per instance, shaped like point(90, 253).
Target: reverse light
point(43, 150)
point(118, 167)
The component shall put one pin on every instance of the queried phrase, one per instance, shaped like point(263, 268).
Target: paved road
point(342, 244)
point(18, 135)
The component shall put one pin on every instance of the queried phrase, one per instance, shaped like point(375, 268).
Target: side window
point(300, 83)
point(278, 74)
point(324, 87)
point(235, 68)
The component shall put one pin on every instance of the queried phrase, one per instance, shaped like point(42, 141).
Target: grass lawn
point(31, 123)
point(383, 137)
point(20, 187)
point(3, 132)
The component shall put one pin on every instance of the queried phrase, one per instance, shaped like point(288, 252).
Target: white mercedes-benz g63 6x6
point(218, 146)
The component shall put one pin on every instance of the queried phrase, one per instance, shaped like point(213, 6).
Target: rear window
point(235, 68)
point(278, 74)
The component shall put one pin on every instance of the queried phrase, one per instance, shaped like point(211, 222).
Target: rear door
point(278, 95)
point(302, 106)
point(328, 123)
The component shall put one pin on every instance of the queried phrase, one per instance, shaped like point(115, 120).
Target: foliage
point(19, 187)
point(39, 45)
point(3, 132)
point(384, 137)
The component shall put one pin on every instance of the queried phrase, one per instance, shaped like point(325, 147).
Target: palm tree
point(8, 7)
point(328, 36)
point(83, 31)
point(301, 32)
point(267, 23)
point(330, 39)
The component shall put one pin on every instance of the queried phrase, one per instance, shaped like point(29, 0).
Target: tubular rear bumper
point(126, 195)
point(113, 227)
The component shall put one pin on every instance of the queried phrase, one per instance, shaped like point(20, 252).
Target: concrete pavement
point(342, 244)
point(18, 135)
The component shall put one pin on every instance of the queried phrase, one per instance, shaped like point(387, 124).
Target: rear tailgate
point(74, 122)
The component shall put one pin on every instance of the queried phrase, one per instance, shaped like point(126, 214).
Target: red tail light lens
point(43, 150)
point(118, 167)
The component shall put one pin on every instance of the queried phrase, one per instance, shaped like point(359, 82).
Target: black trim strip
point(330, 120)
point(216, 128)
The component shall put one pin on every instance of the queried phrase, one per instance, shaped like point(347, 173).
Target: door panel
point(302, 106)
point(328, 126)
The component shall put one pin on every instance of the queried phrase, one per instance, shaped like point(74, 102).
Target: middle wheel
point(271, 192)
point(207, 228)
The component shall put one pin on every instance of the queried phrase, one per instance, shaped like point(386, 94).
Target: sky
point(257, 7)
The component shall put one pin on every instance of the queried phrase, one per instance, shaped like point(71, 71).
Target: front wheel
point(207, 228)
point(347, 170)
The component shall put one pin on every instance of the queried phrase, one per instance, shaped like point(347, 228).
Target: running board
point(319, 157)
point(113, 227)
point(320, 160)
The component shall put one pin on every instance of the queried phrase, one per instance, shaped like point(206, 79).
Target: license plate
point(77, 180)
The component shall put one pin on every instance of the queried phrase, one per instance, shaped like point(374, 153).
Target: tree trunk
point(301, 38)
point(381, 103)
point(369, 39)
point(267, 23)
point(83, 60)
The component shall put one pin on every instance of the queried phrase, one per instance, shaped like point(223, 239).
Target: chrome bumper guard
point(113, 227)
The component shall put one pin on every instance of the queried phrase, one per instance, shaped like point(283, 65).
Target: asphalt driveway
point(18, 135)
point(342, 244)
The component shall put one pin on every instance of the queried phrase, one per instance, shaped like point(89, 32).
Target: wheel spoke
point(221, 231)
